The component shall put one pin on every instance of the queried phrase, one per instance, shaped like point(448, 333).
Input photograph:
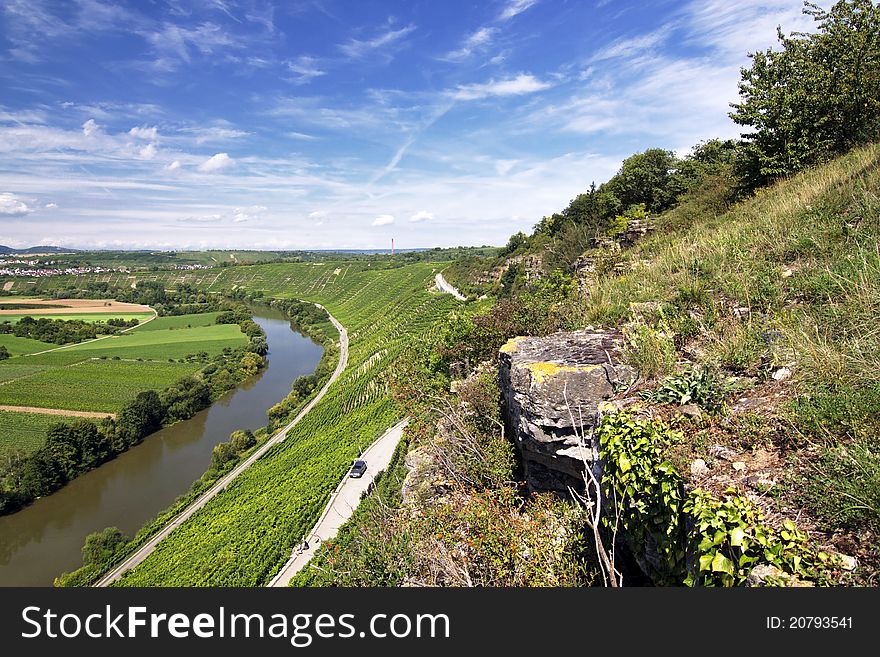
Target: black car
point(358, 469)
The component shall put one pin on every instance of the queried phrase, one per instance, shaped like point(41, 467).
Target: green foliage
point(648, 179)
point(4, 352)
point(817, 97)
point(650, 351)
point(700, 540)
point(100, 547)
point(704, 386)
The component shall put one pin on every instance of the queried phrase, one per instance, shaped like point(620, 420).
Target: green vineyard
point(244, 535)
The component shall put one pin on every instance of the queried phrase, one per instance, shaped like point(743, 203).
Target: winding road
point(443, 286)
point(343, 501)
point(147, 548)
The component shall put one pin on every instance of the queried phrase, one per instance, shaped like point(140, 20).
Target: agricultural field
point(180, 321)
point(17, 346)
point(83, 317)
point(242, 537)
point(24, 432)
point(103, 374)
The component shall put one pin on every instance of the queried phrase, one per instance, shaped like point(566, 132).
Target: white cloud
point(143, 132)
point(216, 162)
point(383, 220)
point(421, 215)
point(241, 215)
point(514, 8)
point(12, 206)
point(51, 206)
point(356, 48)
point(214, 133)
point(174, 44)
point(521, 84)
point(475, 42)
point(90, 128)
point(306, 69)
point(174, 166)
point(148, 152)
point(300, 135)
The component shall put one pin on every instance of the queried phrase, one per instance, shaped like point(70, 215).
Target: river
point(45, 539)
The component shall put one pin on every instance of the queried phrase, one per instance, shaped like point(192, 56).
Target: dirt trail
point(54, 411)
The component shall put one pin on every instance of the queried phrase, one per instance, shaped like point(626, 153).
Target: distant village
point(34, 268)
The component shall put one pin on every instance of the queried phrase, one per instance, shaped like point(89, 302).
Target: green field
point(17, 346)
point(84, 317)
point(180, 321)
point(242, 537)
point(102, 375)
point(24, 431)
point(92, 385)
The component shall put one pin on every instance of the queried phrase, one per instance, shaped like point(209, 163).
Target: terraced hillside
point(244, 535)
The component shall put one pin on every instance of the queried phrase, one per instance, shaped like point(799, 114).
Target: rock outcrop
point(552, 387)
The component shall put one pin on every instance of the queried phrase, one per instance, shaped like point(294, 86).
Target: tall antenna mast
point(392, 246)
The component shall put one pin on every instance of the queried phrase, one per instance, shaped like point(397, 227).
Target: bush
point(705, 386)
point(650, 351)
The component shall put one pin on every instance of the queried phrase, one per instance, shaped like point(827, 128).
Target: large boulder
point(552, 388)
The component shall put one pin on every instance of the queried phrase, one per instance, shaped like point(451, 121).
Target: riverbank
point(41, 541)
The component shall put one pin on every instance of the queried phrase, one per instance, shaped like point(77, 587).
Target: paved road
point(443, 286)
point(343, 501)
point(147, 548)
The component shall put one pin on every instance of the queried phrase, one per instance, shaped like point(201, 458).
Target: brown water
point(45, 539)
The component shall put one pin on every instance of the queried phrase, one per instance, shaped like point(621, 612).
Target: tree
point(647, 178)
point(242, 440)
point(100, 546)
point(4, 352)
point(817, 97)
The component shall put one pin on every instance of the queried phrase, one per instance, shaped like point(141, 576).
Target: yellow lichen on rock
point(541, 371)
point(510, 346)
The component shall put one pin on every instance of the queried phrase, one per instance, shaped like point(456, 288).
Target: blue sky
point(343, 123)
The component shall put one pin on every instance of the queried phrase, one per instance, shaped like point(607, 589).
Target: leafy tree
point(4, 352)
point(648, 178)
point(101, 546)
point(242, 440)
point(815, 98)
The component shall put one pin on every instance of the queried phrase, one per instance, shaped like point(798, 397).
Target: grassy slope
point(803, 257)
point(243, 536)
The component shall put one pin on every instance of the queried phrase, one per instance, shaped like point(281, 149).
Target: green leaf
point(721, 564)
point(705, 562)
point(736, 537)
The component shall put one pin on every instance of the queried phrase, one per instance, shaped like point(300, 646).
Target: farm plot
point(92, 385)
point(17, 346)
point(104, 374)
point(164, 344)
point(179, 322)
point(24, 432)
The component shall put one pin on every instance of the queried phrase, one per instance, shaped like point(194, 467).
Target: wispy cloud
point(305, 69)
point(475, 42)
point(514, 8)
point(357, 48)
point(174, 45)
point(522, 84)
